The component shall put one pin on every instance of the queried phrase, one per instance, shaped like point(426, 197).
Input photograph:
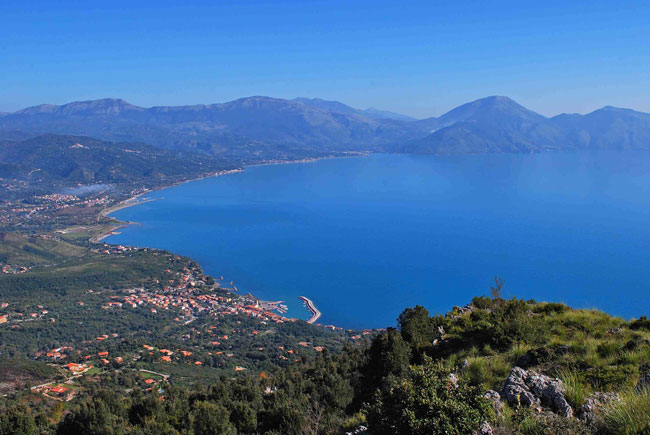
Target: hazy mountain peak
point(102, 106)
point(489, 108)
point(337, 106)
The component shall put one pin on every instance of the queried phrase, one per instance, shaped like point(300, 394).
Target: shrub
point(641, 323)
point(549, 308)
point(610, 378)
point(482, 302)
point(427, 402)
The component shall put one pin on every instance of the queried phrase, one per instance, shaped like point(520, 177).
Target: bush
point(550, 308)
point(641, 323)
point(427, 402)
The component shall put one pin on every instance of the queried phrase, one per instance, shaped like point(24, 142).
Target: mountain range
point(263, 128)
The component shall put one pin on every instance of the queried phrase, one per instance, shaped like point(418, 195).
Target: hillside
point(265, 127)
point(493, 366)
point(336, 106)
point(67, 160)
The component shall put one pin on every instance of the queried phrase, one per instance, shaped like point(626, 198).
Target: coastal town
point(207, 325)
point(85, 311)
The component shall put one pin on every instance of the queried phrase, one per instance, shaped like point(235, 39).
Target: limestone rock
point(485, 429)
point(529, 388)
point(515, 390)
point(495, 400)
point(593, 404)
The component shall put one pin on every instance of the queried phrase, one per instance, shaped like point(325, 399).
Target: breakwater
point(315, 314)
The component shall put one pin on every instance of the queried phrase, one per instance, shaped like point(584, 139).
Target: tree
point(18, 420)
point(426, 401)
point(417, 327)
point(495, 290)
point(211, 419)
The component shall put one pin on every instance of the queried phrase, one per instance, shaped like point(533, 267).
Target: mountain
point(72, 159)
point(258, 129)
point(266, 126)
point(488, 125)
point(336, 106)
point(606, 128)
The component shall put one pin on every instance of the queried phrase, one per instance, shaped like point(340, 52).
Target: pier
point(315, 314)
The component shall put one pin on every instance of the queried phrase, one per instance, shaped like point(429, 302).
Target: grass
point(22, 250)
point(631, 415)
point(147, 375)
point(576, 389)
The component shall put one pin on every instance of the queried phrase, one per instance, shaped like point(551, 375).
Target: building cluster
point(16, 315)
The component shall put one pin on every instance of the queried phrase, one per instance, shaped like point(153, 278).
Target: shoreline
point(132, 201)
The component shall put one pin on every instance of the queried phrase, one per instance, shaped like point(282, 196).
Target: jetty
point(315, 314)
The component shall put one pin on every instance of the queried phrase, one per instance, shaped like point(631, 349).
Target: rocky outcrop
point(485, 429)
point(516, 392)
point(593, 404)
point(529, 388)
point(495, 401)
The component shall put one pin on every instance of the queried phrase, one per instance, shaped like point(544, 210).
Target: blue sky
point(416, 57)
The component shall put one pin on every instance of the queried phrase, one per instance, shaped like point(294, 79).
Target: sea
point(366, 237)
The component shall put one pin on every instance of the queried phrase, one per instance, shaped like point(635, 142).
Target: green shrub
point(610, 378)
point(426, 402)
point(550, 308)
point(641, 323)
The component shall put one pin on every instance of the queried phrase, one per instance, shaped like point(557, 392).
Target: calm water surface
point(366, 237)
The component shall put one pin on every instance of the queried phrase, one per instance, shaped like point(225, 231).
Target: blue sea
point(366, 237)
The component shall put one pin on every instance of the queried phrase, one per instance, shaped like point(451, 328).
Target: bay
point(366, 237)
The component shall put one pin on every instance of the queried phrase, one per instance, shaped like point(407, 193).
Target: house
point(58, 390)
point(75, 368)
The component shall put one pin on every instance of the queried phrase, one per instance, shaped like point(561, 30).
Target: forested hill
point(264, 128)
point(67, 160)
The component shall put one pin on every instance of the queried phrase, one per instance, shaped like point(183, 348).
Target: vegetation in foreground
point(428, 376)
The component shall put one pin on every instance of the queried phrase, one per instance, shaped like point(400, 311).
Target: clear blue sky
point(416, 57)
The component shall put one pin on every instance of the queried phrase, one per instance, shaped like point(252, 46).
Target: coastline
point(132, 201)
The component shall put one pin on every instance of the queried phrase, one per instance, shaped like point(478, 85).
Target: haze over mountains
point(65, 160)
point(263, 128)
